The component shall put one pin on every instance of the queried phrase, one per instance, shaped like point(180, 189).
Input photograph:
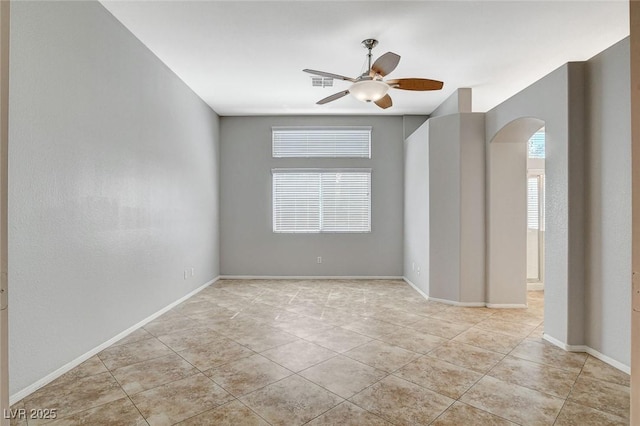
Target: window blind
point(321, 200)
point(533, 205)
point(321, 142)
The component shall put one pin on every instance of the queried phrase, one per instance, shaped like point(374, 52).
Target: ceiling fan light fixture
point(369, 90)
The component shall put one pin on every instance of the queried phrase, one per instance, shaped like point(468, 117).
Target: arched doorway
point(507, 213)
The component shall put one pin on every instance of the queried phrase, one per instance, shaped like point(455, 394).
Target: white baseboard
point(309, 277)
point(415, 287)
point(507, 305)
point(461, 304)
point(535, 286)
point(82, 358)
point(586, 349)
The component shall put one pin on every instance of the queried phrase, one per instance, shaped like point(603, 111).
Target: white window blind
point(533, 206)
point(321, 142)
point(321, 200)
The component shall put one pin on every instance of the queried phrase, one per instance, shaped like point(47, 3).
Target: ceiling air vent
point(321, 81)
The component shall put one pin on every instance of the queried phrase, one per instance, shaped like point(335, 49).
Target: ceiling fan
point(369, 87)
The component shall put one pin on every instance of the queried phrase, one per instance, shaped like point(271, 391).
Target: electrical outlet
point(418, 271)
point(413, 266)
point(193, 272)
point(186, 274)
point(319, 259)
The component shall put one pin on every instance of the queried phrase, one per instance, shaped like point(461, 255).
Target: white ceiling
point(246, 58)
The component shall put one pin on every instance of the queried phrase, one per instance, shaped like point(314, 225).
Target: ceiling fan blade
point(385, 64)
point(384, 102)
point(330, 75)
point(333, 97)
point(415, 84)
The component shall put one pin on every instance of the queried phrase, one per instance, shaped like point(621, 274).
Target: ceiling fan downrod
point(369, 44)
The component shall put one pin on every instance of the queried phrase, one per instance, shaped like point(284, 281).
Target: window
point(535, 202)
point(321, 200)
point(321, 142)
point(536, 145)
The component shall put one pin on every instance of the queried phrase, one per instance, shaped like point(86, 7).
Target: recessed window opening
point(536, 207)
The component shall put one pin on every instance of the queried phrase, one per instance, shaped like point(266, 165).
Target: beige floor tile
point(333, 316)
point(206, 355)
point(537, 333)
point(543, 378)
point(159, 327)
point(595, 369)
point(71, 398)
point(17, 414)
point(194, 306)
point(488, 340)
point(397, 316)
point(334, 332)
point(119, 412)
point(440, 328)
point(382, 356)
point(291, 401)
point(298, 355)
point(524, 316)
point(122, 355)
point(261, 339)
point(603, 396)
point(460, 414)
point(548, 354)
point(512, 402)
point(180, 400)
point(183, 339)
point(155, 372)
point(573, 414)
point(216, 315)
point(464, 316)
point(338, 339)
point(420, 307)
point(343, 376)
point(371, 327)
point(233, 413)
point(439, 376)
point(90, 367)
point(471, 357)
point(137, 335)
point(348, 414)
point(413, 340)
point(247, 374)
point(402, 402)
point(514, 329)
point(302, 326)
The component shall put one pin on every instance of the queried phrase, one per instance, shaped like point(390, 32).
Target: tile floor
point(337, 352)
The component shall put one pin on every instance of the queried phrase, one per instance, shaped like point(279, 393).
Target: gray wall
point(458, 102)
point(251, 247)
point(609, 203)
point(416, 208)
point(456, 207)
point(547, 100)
point(113, 185)
point(585, 109)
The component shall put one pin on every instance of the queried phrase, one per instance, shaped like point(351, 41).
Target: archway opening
point(508, 214)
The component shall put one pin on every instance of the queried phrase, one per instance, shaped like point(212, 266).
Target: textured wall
point(608, 309)
point(113, 185)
